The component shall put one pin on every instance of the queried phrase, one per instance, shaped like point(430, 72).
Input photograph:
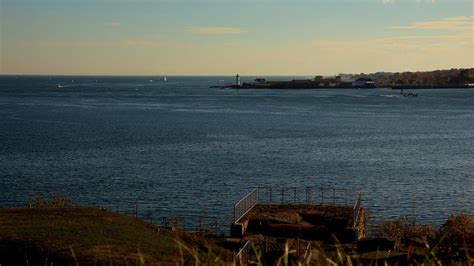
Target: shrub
point(54, 202)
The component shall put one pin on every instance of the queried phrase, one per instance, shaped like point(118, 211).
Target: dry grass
point(403, 229)
point(456, 238)
point(54, 202)
point(53, 231)
point(452, 244)
point(92, 236)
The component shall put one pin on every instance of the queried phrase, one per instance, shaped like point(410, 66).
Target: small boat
point(164, 79)
point(59, 86)
point(410, 94)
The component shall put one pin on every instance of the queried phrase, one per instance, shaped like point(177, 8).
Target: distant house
point(333, 82)
point(327, 81)
point(364, 83)
point(318, 78)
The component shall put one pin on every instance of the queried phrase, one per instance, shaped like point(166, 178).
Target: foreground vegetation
point(50, 235)
point(53, 232)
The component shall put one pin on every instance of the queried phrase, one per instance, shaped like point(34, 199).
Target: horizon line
point(224, 75)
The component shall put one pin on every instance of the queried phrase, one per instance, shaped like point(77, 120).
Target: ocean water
point(180, 148)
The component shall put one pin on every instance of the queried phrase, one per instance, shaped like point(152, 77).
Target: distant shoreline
point(244, 87)
point(438, 79)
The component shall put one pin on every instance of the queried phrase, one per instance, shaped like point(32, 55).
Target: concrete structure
point(300, 220)
point(309, 222)
point(291, 223)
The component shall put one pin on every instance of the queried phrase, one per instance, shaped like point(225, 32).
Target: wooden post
point(136, 210)
point(333, 196)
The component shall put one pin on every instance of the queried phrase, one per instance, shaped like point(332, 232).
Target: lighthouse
point(237, 80)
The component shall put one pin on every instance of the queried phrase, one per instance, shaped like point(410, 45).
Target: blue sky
point(223, 37)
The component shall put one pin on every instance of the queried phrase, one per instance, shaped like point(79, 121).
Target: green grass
point(73, 235)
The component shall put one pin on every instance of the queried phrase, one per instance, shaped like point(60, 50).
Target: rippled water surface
point(182, 148)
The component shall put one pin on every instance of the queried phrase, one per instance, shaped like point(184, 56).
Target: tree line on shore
point(455, 77)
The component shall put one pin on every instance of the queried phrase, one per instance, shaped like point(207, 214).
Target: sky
point(224, 37)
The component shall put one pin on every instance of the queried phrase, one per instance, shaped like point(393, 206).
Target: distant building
point(318, 78)
point(364, 83)
point(237, 80)
point(260, 80)
point(327, 81)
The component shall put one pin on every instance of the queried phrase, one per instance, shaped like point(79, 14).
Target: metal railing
point(356, 214)
point(306, 195)
point(301, 253)
point(194, 223)
point(241, 258)
point(245, 204)
point(307, 253)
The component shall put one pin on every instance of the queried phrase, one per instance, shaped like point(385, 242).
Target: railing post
point(298, 248)
point(322, 196)
point(354, 217)
point(266, 244)
point(294, 195)
point(282, 195)
point(247, 202)
point(258, 192)
point(356, 209)
point(346, 195)
point(333, 196)
point(307, 195)
point(270, 195)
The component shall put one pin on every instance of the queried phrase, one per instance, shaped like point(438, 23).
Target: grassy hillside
point(85, 236)
point(92, 236)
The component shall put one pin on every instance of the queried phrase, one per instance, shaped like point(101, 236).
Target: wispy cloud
point(454, 23)
point(388, 2)
point(397, 52)
point(425, 1)
point(216, 30)
point(113, 24)
point(132, 43)
point(401, 43)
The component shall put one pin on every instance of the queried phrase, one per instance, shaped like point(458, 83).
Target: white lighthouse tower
point(237, 80)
